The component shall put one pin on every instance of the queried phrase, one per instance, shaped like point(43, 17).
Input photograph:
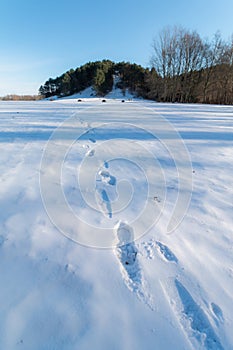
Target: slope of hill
point(89, 93)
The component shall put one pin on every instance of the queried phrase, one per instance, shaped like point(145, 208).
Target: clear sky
point(42, 39)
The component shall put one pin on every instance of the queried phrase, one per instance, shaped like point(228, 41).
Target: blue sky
point(42, 39)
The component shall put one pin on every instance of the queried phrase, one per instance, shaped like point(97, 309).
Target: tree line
point(184, 68)
point(21, 98)
point(187, 68)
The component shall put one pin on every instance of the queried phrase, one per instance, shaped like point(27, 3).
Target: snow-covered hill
point(90, 93)
point(99, 245)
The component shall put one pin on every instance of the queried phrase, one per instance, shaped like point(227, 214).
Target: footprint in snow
point(91, 153)
point(107, 178)
point(131, 271)
point(166, 252)
point(104, 191)
point(92, 140)
point(217, 313)
point(197, 321)
point(105, 203)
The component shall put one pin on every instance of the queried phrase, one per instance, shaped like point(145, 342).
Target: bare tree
point(177, 53)
point(213, 55)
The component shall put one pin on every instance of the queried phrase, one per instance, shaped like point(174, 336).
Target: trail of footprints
point(103, 192)
point(104, 180)
point(192, 316)
point(126, 250)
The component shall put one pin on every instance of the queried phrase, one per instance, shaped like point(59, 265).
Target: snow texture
point(158, 291)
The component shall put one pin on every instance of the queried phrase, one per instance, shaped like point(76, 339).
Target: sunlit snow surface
point(151, 290)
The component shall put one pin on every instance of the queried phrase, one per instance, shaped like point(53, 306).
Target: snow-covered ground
point(100, 247)
point(90, 94)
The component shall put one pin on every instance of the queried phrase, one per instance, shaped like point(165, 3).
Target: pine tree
point(66, 84)
point(99, 80)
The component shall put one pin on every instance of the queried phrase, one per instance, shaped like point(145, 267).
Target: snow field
point(155, 291)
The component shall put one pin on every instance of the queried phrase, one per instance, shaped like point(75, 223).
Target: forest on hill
point(100, 75)
point(184, 68)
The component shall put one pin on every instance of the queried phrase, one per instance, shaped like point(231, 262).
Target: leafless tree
point(177, 53)
point(192, 69)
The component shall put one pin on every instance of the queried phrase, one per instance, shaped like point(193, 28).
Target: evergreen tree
point(99, 80)
point(66, 84)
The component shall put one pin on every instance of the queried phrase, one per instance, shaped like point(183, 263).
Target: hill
point(102, 76)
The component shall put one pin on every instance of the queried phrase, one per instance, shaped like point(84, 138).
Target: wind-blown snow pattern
point(147, 289)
